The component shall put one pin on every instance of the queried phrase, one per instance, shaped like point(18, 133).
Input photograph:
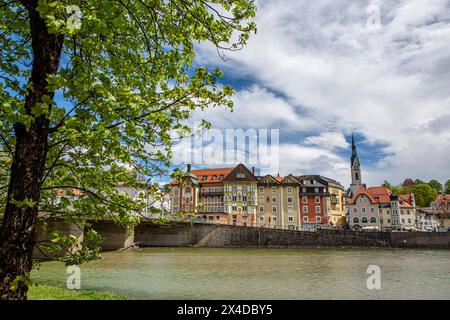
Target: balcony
point(211, 193)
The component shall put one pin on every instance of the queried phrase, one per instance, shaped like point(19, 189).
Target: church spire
point(354, 153)
point(355, 169)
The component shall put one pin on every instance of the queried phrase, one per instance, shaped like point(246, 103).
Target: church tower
point(355, 169)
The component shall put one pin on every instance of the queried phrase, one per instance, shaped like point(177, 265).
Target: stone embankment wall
point(148, 234)
point(210, 235)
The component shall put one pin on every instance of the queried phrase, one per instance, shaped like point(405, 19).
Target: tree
point(447, 187)
point(424, 194)
point(436, 185)
point(391, 187)
point(92, 93)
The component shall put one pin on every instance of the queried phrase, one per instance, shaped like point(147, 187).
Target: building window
point(355, 220)
point(289, 190)
point(305, 209)
point(409, 220)
point(403, 220)
point(355, 210)
point(204, 178)
point(389, 220)
point(244, 208)
point(290, 218)
point(373, 220)
point(240, 176)
point(317, 209)
point(234, 208)
point(261, 218)
point(305, 219)
point(290, 209)
point(274, 189)
point(274, 209)
point(274, 218)
point(317, 199)
point(261, 209)
point(261, 189)
point(372, 210)
point(318, 219)
point(290, 200)
point(274, 199)
point(363, 210)
point(305, 199)
point(364, 220)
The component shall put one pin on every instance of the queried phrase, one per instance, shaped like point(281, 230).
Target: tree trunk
point(18, 233)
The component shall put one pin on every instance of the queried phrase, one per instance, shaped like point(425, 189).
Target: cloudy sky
point(320, 70)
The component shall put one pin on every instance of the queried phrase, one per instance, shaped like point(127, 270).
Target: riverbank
point(45, 292)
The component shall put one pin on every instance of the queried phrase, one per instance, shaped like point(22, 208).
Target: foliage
point(424, 193)
point(447, 187)
point(436, 185)
point(125, 88)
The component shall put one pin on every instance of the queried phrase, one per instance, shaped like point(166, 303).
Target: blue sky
point(320, 70)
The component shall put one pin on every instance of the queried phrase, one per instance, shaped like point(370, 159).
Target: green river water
point(207, 273)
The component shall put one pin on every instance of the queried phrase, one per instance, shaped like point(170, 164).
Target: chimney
point(253, 170)
point(278, 174)
point(189, 167)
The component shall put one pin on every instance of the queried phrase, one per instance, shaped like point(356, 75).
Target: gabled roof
point(270, 178)
point(290, 177)
point(363, 191)
point(381, 195)
point(210, 174)
point(240, 169)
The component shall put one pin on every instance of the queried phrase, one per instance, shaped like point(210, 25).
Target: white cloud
point(328, 140)
point(389, 84)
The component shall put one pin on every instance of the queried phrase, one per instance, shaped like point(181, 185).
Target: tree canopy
point(95, 92)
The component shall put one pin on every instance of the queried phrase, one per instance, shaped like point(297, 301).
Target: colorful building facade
point(377, 208)
point(237, 196)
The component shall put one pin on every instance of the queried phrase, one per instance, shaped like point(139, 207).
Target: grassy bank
point(44, 292)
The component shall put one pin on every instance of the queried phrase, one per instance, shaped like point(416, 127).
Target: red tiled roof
point(381, 195)
point(210, 173)
point(279, 179)
point(362, 190)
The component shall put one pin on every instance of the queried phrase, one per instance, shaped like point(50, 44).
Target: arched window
point(373, 220)
point(364, 220)
point(355, 220)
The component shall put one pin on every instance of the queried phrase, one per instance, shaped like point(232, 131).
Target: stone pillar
point(62, 227)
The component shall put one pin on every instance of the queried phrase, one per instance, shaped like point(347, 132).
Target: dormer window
point(214, 177)
point(204, 178)
point(221, 177)
point(240, 175)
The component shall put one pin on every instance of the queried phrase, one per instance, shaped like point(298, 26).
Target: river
point(209, 273)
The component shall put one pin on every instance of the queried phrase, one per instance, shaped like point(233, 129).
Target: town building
point(240, 194)
point(427, 219)
point(377, 208)
point(237, 196)
point(278, 202)
point(441, 209)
